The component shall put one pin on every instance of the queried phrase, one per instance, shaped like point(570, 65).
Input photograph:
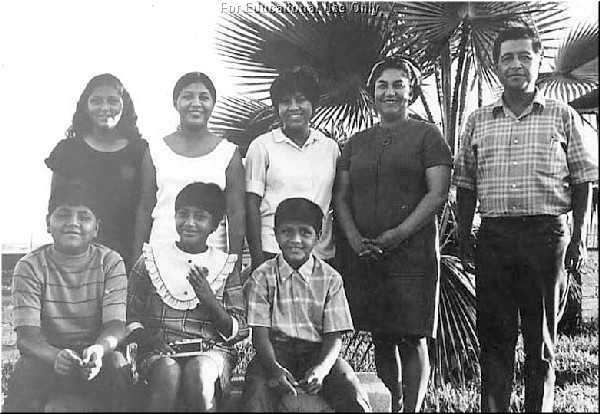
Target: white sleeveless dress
point(173, 173)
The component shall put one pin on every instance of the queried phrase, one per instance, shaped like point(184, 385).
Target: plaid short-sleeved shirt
point(302, 304)
point(525, 165)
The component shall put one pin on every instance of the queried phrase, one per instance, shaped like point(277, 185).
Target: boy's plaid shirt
point(302, 304)
point(525, 165)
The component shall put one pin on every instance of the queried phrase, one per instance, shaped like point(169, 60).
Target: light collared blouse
point(277, 169)
point(303, 304)
point(525, 165)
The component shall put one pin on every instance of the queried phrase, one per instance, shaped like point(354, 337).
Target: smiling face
point(518, 65)
point(296, 241)
point(105, 106)
point(392, 93)
point(193, 225)
point(295, 111)
point(195, 105)
point(73, 228)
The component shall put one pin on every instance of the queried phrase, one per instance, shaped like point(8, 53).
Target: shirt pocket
point(553, 159)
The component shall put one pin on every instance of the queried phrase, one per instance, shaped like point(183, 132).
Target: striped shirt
point(69, 297)
point(302, 304)
point(525, 165)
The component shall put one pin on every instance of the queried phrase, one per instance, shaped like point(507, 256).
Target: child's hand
point(92, 361)
point(66, 361)
point(157, 344)
point(197, 278)
point(313, 379)
point(284, 381)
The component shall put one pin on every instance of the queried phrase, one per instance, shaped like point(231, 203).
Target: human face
point(518, 65)
point(193, 225)
point(195, 105)
point(296, 241)
point(295, 111)
point(105, 106)
point(73, 228)
point(392, 93)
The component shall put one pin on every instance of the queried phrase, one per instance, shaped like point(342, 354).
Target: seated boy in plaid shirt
point(298, 312)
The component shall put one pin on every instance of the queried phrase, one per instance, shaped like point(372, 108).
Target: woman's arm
point(143, 217)
point(438, 183)
point(234, 198)
point(343, 212)
point(253, 223)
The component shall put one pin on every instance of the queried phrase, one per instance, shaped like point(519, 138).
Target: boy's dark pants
point(33, 382)
point(341, 388)
point(520, 270)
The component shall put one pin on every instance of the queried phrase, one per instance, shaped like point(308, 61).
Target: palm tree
point(575, 73)
point(450, 42)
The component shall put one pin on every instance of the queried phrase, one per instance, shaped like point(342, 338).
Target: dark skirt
point(399, 294)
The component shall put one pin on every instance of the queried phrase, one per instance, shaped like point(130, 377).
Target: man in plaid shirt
point(528, 162)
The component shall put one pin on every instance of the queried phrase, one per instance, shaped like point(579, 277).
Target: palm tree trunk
point(458, 84)
point(426, 106)
point(446, 68)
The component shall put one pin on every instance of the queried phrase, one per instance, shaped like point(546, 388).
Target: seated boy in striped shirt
point(69, 308)
point(298, 312)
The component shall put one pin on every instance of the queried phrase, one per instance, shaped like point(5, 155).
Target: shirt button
point(514, 186)
point(516, 141)
point(514, 163)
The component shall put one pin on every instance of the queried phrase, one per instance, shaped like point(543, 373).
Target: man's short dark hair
point(301, 79)
point(73, 193)
point(300, 210)
point(517, 33)
point(208, 197)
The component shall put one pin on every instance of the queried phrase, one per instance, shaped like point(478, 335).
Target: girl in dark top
point(392, 179)
point(104, 150)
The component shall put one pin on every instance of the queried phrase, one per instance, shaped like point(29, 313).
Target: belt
point(522, 219)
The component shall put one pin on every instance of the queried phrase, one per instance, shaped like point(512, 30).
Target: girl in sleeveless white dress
point(173, 172)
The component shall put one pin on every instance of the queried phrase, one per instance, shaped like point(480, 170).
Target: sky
point(50, 49)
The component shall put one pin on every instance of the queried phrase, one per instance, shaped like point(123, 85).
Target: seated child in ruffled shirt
point(69, 308)
point(298, 312)
point(186, 298)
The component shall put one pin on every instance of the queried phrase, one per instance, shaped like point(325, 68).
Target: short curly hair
point(81, 124)
point(401, 63)
point(301, 79)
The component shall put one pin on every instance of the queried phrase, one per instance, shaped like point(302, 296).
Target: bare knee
point(202, 370)
point(166, 372)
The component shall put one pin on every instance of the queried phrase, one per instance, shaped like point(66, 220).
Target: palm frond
point(575, 65)
point(340, 45)
point(240, 120)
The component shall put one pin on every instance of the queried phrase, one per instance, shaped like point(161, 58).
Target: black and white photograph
point(313, 206)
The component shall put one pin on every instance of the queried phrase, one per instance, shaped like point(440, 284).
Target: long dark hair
point(82, 124)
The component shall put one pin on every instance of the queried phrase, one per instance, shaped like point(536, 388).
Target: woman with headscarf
point(392, 180)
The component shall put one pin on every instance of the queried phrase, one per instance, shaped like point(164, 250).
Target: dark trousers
point(341, 387)
point(520, 271)
point(32, 383)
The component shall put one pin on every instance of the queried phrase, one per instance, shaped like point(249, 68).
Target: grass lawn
point(576, 364)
